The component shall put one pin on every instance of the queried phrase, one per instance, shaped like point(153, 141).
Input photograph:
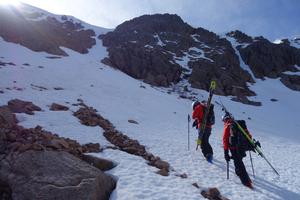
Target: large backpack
point(238, 139)
point(210, 119)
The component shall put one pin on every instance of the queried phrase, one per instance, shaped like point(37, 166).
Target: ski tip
point(213, 84)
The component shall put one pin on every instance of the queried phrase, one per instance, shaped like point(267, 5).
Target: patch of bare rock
point(37, 164)
point(212, 194)
point(58, 88)
point(38, 87)
point(245, 100)
point(58, 107)
point(132, 121)
point(19, 106)
point(89, 117)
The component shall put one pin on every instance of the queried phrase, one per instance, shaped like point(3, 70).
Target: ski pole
point(252, 164)
point(198, 143)
point(263, 156)
point(257, 149)
point(227, 170)
point(189, 119)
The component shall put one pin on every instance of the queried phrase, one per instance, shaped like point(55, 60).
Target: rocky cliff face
point(39, 31)
point(267, 59)
point(137, 47)
point(162, 50)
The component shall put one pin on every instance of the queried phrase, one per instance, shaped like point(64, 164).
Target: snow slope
point(162, 127)
point(40, 14)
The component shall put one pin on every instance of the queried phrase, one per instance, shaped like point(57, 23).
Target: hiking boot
point(209, 158)
point(249, 184)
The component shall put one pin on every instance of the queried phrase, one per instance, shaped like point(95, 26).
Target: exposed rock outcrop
point(230, 80)
point(58, 107)
point(7, 118)
point(291, 81)
point(92, 147)
point(89, 117)
point(19, 106)
point(151, 46)
point(39, 32)
point(102, 164)
point(245, 100)
point(213, 194)
point(7, 63)
point(36, 164)
point(267, 59)
point(240, 37)
point(53, 175)
point(135, 46)
point(132, 121)
point(15, 138)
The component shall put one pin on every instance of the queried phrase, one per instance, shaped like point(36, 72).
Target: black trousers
point(205, 146)
point(240, 168)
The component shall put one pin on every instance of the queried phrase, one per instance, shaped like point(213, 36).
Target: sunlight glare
point(9, 2)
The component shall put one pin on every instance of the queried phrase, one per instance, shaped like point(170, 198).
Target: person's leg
point(205, 146)
point(240, 169)
point(209, 148)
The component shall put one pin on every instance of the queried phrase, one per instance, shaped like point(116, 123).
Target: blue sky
point(270, 18)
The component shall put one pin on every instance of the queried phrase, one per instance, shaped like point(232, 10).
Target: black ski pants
point(205, 146)
point(240, 168)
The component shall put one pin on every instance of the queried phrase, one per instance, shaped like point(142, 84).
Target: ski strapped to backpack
point(252, 142)
point(212, 88)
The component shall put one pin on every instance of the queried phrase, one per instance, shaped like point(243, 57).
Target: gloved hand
point(199, 141)
point(256, 143)
point(195, 124)
point(226, 155)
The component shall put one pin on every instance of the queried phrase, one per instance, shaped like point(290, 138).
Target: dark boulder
point(58, 107)
point(100, 163)
point(7, 118)
point(212, 194)
point(53, 175)
point(91, 147)
point(291, 81)
point(19, 106)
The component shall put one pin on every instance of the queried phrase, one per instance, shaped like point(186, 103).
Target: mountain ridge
point(162, 50)
point(210, 56)
point(42, 31)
